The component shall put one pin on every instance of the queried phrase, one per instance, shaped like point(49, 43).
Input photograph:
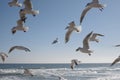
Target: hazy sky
point(51, 22)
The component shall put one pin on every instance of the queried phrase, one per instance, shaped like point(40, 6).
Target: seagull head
point(13, 30)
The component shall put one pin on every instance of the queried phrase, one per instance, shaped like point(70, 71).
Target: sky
point(51, 22)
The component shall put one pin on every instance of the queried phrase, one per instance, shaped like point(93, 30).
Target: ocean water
point(84, 71)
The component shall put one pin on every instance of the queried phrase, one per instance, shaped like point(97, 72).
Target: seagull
point(93, 4)
point(115, 61)
point(22, 15)
point(19, 48)
point(70, 28)
point(55, 41)
point(14, 3)
point(74, 62)
point(20, 26)
point(3, 56)
point(93, 37)
point(85, 48)
point(28, 72)
point(29, 8)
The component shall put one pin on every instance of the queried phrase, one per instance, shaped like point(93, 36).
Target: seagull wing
point(67, 35)
point(84, 13)
point(15, 1)
point(117, 45)
point(95, 35)
point(11, 49)
point(95, 1)
point(28, 4)
point(86, 41)
point(2, 57)
point(115, 61)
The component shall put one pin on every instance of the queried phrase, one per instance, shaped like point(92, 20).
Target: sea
point(83, 71)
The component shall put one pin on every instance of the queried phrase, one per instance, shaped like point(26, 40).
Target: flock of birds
point(28, 9)
point(88, 38)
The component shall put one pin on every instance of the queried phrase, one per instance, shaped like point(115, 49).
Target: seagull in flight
point(116, 60)
point(3, 56)
point(20, 26)
point(55, 41)
point(29, 8)
point(85, 48)
point(93, 37)
point(93, 4)
point(22, 15)
point(70, 28)
point(74, 62)
point(14, 3)
point(28, 72)
point(19, 48)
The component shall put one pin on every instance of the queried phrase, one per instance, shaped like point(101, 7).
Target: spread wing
point(115, 61)
point(28, 4)
point(86, 41)
point(87, 8)
point(95, 35)
point(67, 35)
point(19, 48)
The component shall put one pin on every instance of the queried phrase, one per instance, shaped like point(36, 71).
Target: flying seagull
point(93, 4)
point(29, 8)
point(19, 48)
point(116, 60)
point(70, 28)
point(93, 37)
point(3, 56)
point(74, 62)
point(20, 26)
point(85, 48)
point(55, 41)
point(28, 72)
point(14, 3)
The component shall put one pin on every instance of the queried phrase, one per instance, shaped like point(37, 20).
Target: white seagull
point(29, 8)
point(14, 3)
point(55, 41)
point(85, 48)
point(93, 4)
point(93, 37)
point(74, 62)
point(19, 48)
point(3, 56)
point(70, 28)
point(28, 72)
point(116, 60)
point(20, 26)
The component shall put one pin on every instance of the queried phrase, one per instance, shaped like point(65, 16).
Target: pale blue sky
point(50, 23)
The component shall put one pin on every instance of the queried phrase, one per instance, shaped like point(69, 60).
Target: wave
point(101, 73)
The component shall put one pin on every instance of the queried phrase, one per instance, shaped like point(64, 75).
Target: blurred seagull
point(28, 72)
point(22, 15)
point(85, 48)
point(15, 3)
point(55, 41)
point(29, 8)
point(3, 56)
point(93, 4)
point(19, 48)
point(117, 45)
point(93, 37)
point(115, 61)
point(20, 26)
point(74, 62)
point(70, 28)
